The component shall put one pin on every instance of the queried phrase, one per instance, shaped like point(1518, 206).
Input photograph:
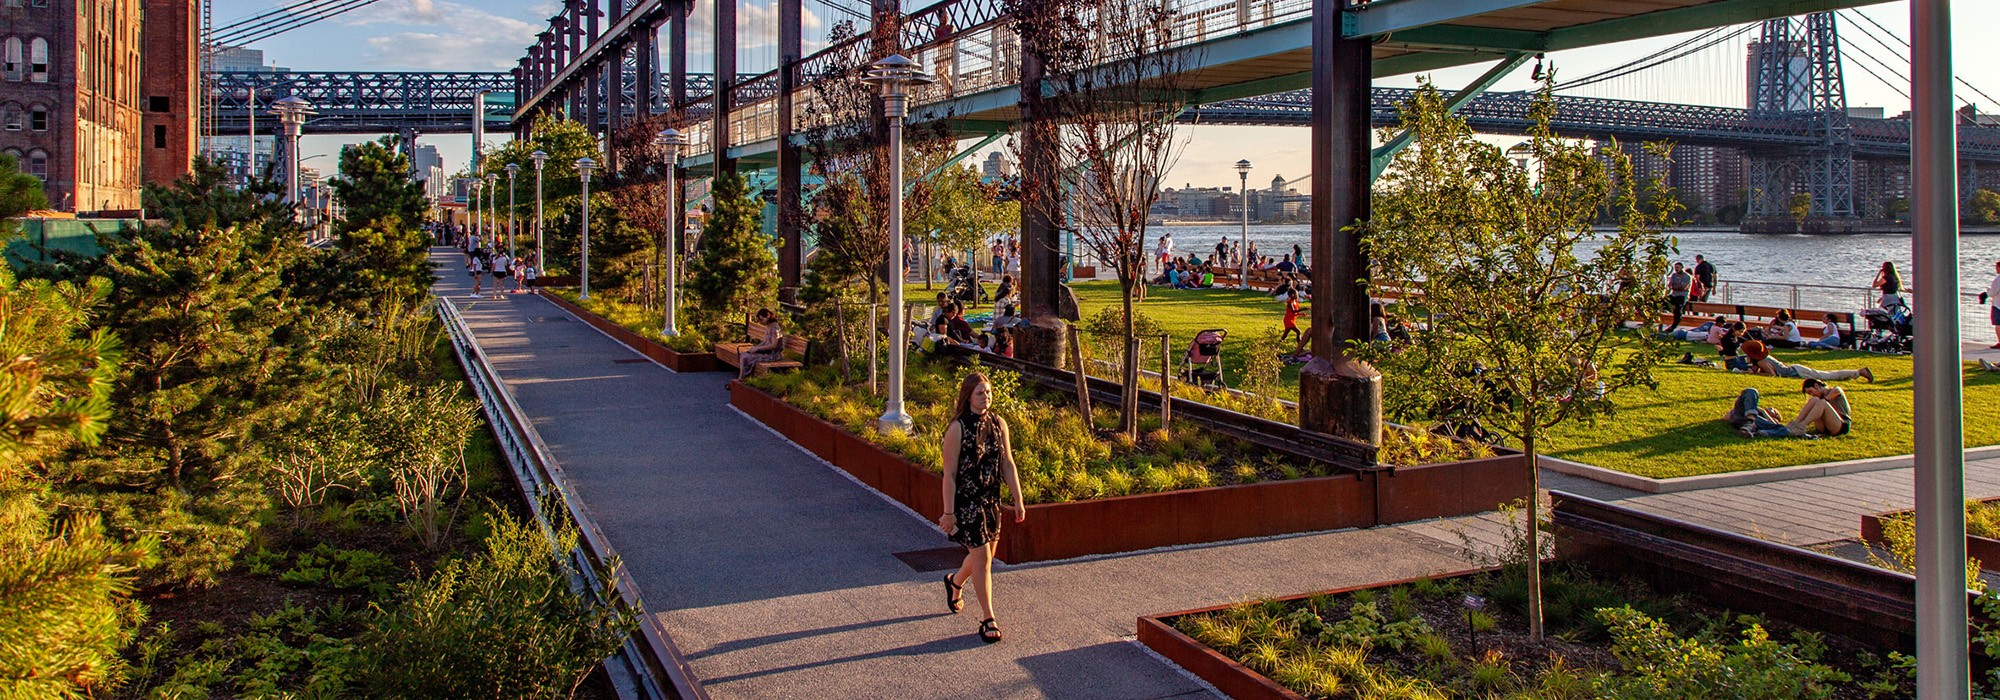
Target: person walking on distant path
point(1991, 297)
point(1704, 272)
point(1679, 283)
point(978, 454)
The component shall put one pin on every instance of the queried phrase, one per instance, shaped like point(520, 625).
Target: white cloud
point(439, 35)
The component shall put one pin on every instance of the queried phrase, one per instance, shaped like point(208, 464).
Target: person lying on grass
point(1761, 362)
point(1826, 413)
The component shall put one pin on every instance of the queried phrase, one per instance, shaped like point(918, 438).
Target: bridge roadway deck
point(777, 575)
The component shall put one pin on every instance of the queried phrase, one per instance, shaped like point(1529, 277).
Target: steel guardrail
point(648, 666)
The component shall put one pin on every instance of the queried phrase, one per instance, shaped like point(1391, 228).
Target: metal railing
point(648, 666)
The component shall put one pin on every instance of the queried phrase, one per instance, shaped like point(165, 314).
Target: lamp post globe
point(1243, 169)
point(541, 158)
point(894, 76)
point(512, 170)
point(583, 168)
point(670, 142)
point(292, 111)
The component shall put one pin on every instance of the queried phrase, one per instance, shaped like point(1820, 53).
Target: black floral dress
point(976, 501)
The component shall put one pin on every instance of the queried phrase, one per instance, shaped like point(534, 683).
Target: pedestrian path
point(778, 576)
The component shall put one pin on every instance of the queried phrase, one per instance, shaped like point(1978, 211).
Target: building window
point(13, 54)
point(38, 60)
point(38, 118)
point(10, 117)
point(38, 164)
point(159, 136)
point(159, 103)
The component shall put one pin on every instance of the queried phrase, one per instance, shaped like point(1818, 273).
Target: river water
point(1755, 269)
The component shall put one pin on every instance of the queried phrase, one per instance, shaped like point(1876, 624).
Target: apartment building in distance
point(76, 107)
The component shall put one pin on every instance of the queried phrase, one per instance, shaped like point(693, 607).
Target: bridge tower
point(1796, 81)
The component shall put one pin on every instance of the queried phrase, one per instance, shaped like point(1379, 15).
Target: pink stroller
point(1201, 365)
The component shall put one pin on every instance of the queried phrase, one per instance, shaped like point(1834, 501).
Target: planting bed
point(1093, 495)
point(644, 344)
point(1982, 530)
point(1637, 606)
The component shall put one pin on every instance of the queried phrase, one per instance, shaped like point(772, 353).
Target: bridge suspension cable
point(1662, 57)
point(243, 32)
point(1904, 53)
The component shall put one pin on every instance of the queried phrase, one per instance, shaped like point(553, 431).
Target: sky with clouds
point(442, 35)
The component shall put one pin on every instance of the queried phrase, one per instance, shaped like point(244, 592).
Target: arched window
point(10, 117)
point(38, 118)
point(38, 60)
point(13, 58)
point(38, 164)
point(15, 154)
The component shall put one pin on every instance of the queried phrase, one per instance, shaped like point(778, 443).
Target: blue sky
point(435, 35)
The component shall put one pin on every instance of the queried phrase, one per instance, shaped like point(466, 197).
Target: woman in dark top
point(977, 455)
point(1888, 280)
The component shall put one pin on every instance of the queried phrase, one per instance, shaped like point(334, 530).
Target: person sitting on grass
point(770, 348)
point(1761, 362)
point(1378, 322)
point(1829, 334)
point(1783, 332)
point(1826, 413)
point(1750, 420)
point(1731, 348)
point(1699, 334)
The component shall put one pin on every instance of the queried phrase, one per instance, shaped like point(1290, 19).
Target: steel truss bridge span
point(442, 103)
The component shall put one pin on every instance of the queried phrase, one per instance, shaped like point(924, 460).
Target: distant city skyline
point(430, 35)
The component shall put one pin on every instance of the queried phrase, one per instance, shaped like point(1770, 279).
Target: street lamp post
point(541, 158)
point(670, 142)
point(512, 170)
point(493, 206)
point(1243, 170)
point(894, 75)
point(292, 112)
point(583, 168)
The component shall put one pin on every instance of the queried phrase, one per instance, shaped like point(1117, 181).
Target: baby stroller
point(1890, 329)
point(965, 287)
point(1201, 365)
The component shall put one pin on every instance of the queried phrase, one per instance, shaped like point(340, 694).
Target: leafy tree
point(1799, 206)
point(205, 322)
point(1505, 289)
point(382, 252)
point(1984, 207)
point(736, 271)
point(963, 213)
point(564, 141)
point(20, 193)
point(63, 613)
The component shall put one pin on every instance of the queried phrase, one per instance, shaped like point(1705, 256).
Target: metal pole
point(670, 297)
point(511, 250)
point(251, 177)
point(1943, 667)
point(893, 417)
point(583, 167)
point(1244, 239)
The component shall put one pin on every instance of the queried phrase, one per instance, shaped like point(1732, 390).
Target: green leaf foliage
point(382, 253)
point(736, 271)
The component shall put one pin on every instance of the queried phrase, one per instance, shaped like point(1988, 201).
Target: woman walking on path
point(978, 453)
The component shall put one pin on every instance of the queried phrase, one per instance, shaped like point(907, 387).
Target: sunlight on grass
point(1675, 431)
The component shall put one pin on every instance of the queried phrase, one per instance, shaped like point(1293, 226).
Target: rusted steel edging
point(652, 665)
point(1984, 549)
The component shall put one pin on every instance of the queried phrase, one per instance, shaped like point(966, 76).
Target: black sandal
point(989, 631)
point(954, 598)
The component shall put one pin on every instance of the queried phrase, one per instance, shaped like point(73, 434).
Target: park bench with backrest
point(1259, 279)
point(797, 349)
point(1756, 316)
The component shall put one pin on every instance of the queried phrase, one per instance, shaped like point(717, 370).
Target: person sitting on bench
point(1829, 335)
point(770, 349)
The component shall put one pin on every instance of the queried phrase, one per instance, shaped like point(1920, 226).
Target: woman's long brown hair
point(965, 388)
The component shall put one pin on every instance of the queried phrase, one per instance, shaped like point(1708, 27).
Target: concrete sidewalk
point(779, 578)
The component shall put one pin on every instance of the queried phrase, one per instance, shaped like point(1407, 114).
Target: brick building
point(74, 109)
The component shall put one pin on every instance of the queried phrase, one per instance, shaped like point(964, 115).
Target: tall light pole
point(478, 128)
point(251, 177)
point(512, 170)
point(1943, 668)
point(583, 168)
point(670, 143)
point(1243, 170)
point(493, 206)
point(894, 75)
point(541, 158)
point(292, 112)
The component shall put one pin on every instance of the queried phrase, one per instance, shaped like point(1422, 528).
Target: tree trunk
point(1535, 632)
point(840, 336)
point(1128, 376)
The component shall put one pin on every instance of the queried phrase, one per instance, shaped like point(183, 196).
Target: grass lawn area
point(1675, 431)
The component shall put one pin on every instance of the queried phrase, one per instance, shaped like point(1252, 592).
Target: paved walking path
point(778, 577)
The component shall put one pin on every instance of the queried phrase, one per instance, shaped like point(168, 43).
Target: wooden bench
point(796, 348)
point(1265, 280)
point(1756, 316)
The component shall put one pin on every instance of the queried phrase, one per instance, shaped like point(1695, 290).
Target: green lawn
point(1675, 431)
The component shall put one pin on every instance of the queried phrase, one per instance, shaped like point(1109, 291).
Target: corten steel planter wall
point(556, 281)
point(1985, 549)
point(677, 361)
point(1145, 521)
point(1234, 679)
